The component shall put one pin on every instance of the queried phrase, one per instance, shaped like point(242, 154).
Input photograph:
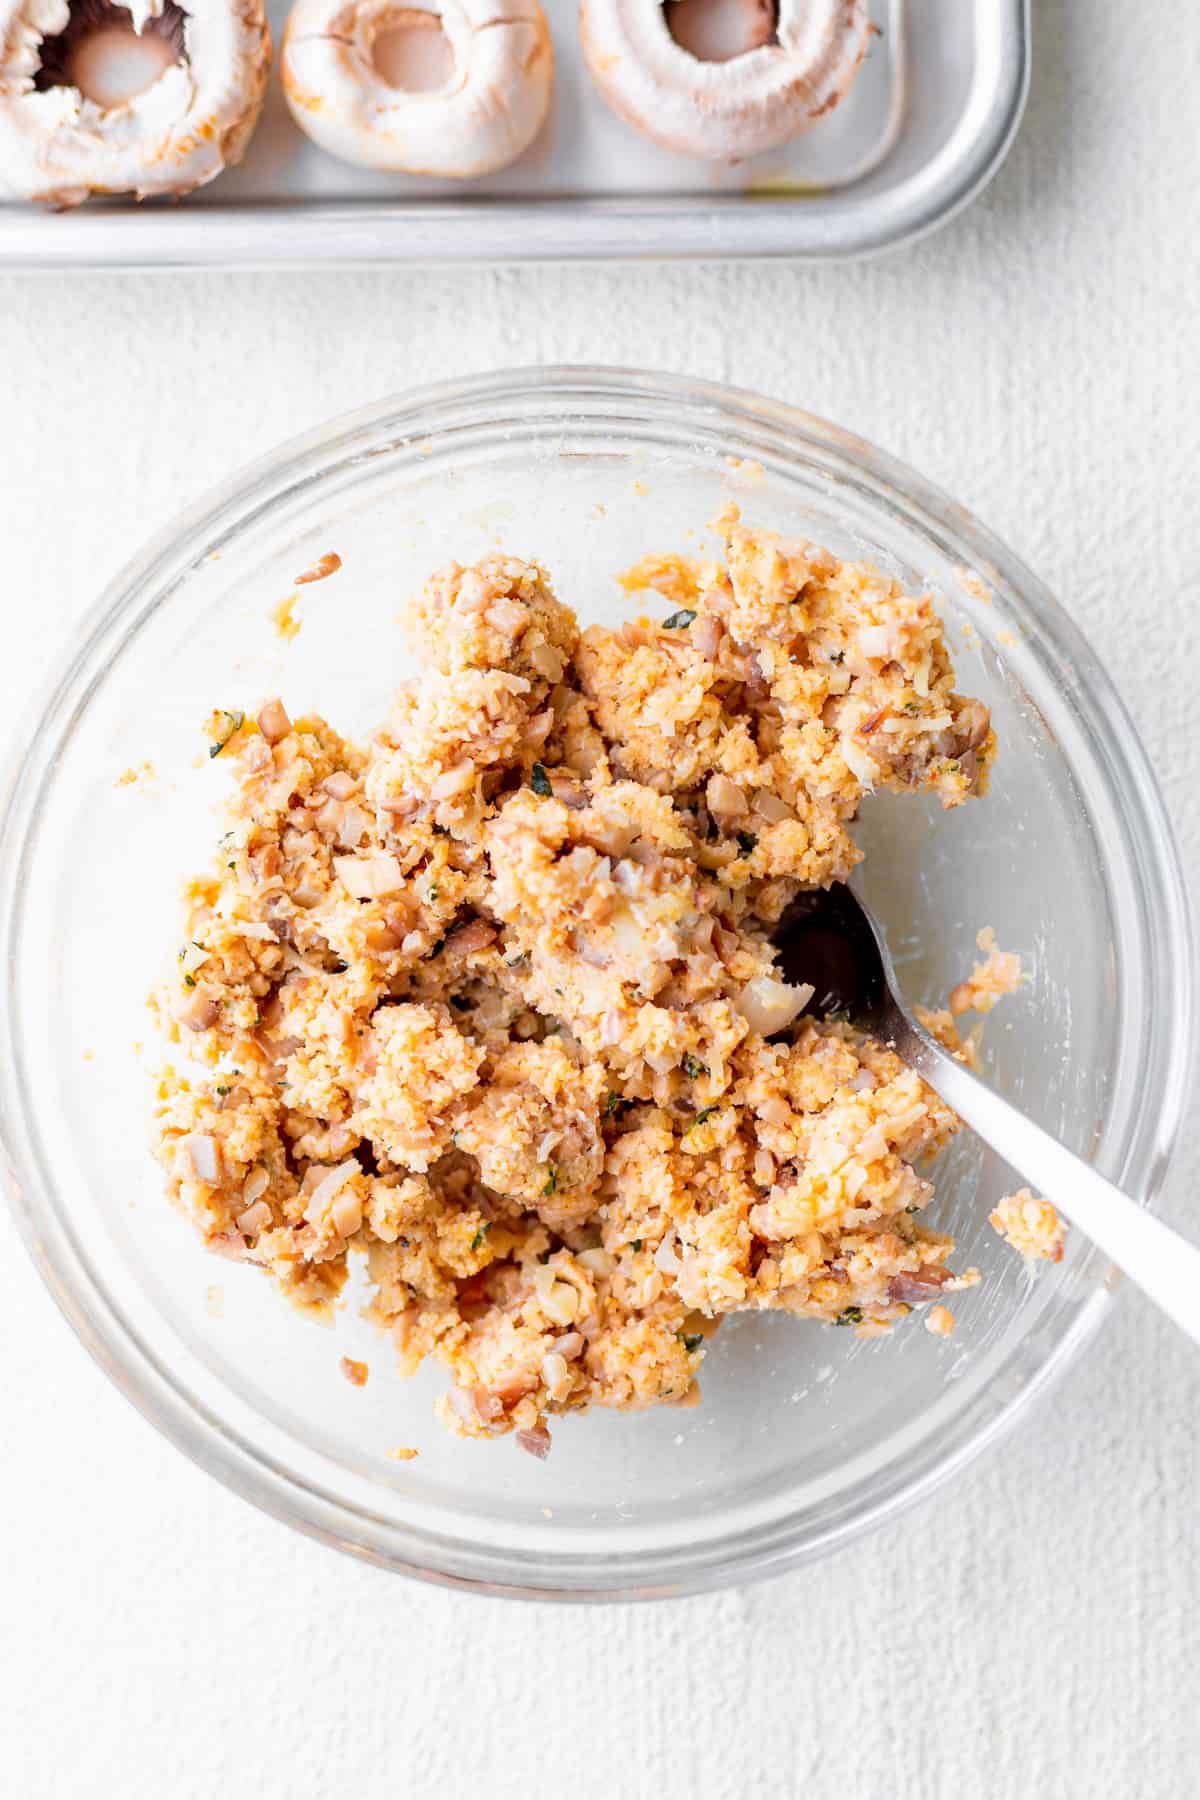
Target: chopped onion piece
point(204, 1155)
point(453, 781)
point(192, 957)
point(327, 1187)
point(255, 1185)
point(884, 640)
point(355, 823)
point(256, 1218)
point(561, 1304)
point(666, 1257)
point(596, 1262)
point(544, 1278)
point(863, 767)
point(369, 877)
point(768, 1005)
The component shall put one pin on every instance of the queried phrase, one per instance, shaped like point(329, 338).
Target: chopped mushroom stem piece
point(438, 87)
point(101, 99)
point(723, 110)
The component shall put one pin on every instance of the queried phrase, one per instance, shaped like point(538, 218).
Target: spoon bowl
point(832, 942)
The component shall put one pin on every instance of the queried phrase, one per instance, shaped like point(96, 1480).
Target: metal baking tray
point(926, 124)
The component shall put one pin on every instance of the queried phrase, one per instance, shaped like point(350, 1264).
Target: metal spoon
point(833, 941)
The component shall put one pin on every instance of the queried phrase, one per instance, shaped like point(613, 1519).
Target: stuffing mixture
point(490, 998)
point(1031, 1226)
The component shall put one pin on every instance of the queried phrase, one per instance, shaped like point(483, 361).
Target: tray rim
point(300, 234)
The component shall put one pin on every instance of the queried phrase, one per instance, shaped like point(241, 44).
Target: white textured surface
point(1033, 1631)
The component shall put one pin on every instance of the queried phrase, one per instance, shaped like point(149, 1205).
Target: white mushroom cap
point(488, 111)
point(724, 111)
point(196, 117)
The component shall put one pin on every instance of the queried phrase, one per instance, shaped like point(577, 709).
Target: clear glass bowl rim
point(618, 396)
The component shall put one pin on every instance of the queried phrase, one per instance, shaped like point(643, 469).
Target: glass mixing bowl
point(805, 1436)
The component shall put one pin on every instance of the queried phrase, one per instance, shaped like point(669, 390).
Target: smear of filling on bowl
point(489, 997)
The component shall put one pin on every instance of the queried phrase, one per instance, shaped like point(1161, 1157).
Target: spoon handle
point(1163, 1264)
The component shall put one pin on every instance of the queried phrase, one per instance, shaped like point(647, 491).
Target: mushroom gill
point(723, 79)
point(433, 87)
point(153, 98)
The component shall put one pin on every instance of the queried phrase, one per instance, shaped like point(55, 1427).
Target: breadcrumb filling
point(489, 998)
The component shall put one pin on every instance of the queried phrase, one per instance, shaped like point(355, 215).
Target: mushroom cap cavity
point(716, 30)
point(202, 96)
point(114, 63)
point(724, 110)
point(488, 109)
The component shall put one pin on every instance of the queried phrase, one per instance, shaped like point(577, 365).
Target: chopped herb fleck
point(551, 1182)
point(227, 723)
point(611, 1102)
point(837, 656)
point(706, 1112)
point(437, 948)
point(911, 708)
point(477, 1240)
point(746, 843)
point(838, 1015)
point(189, 981)
point(222, 1091)
point(692, 1340)
point(679, 621)
point(433, 894)
point(693, 1068)
point(912, 1209)
point(636, 1244)
point(851, 1316)
point(539, 781)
